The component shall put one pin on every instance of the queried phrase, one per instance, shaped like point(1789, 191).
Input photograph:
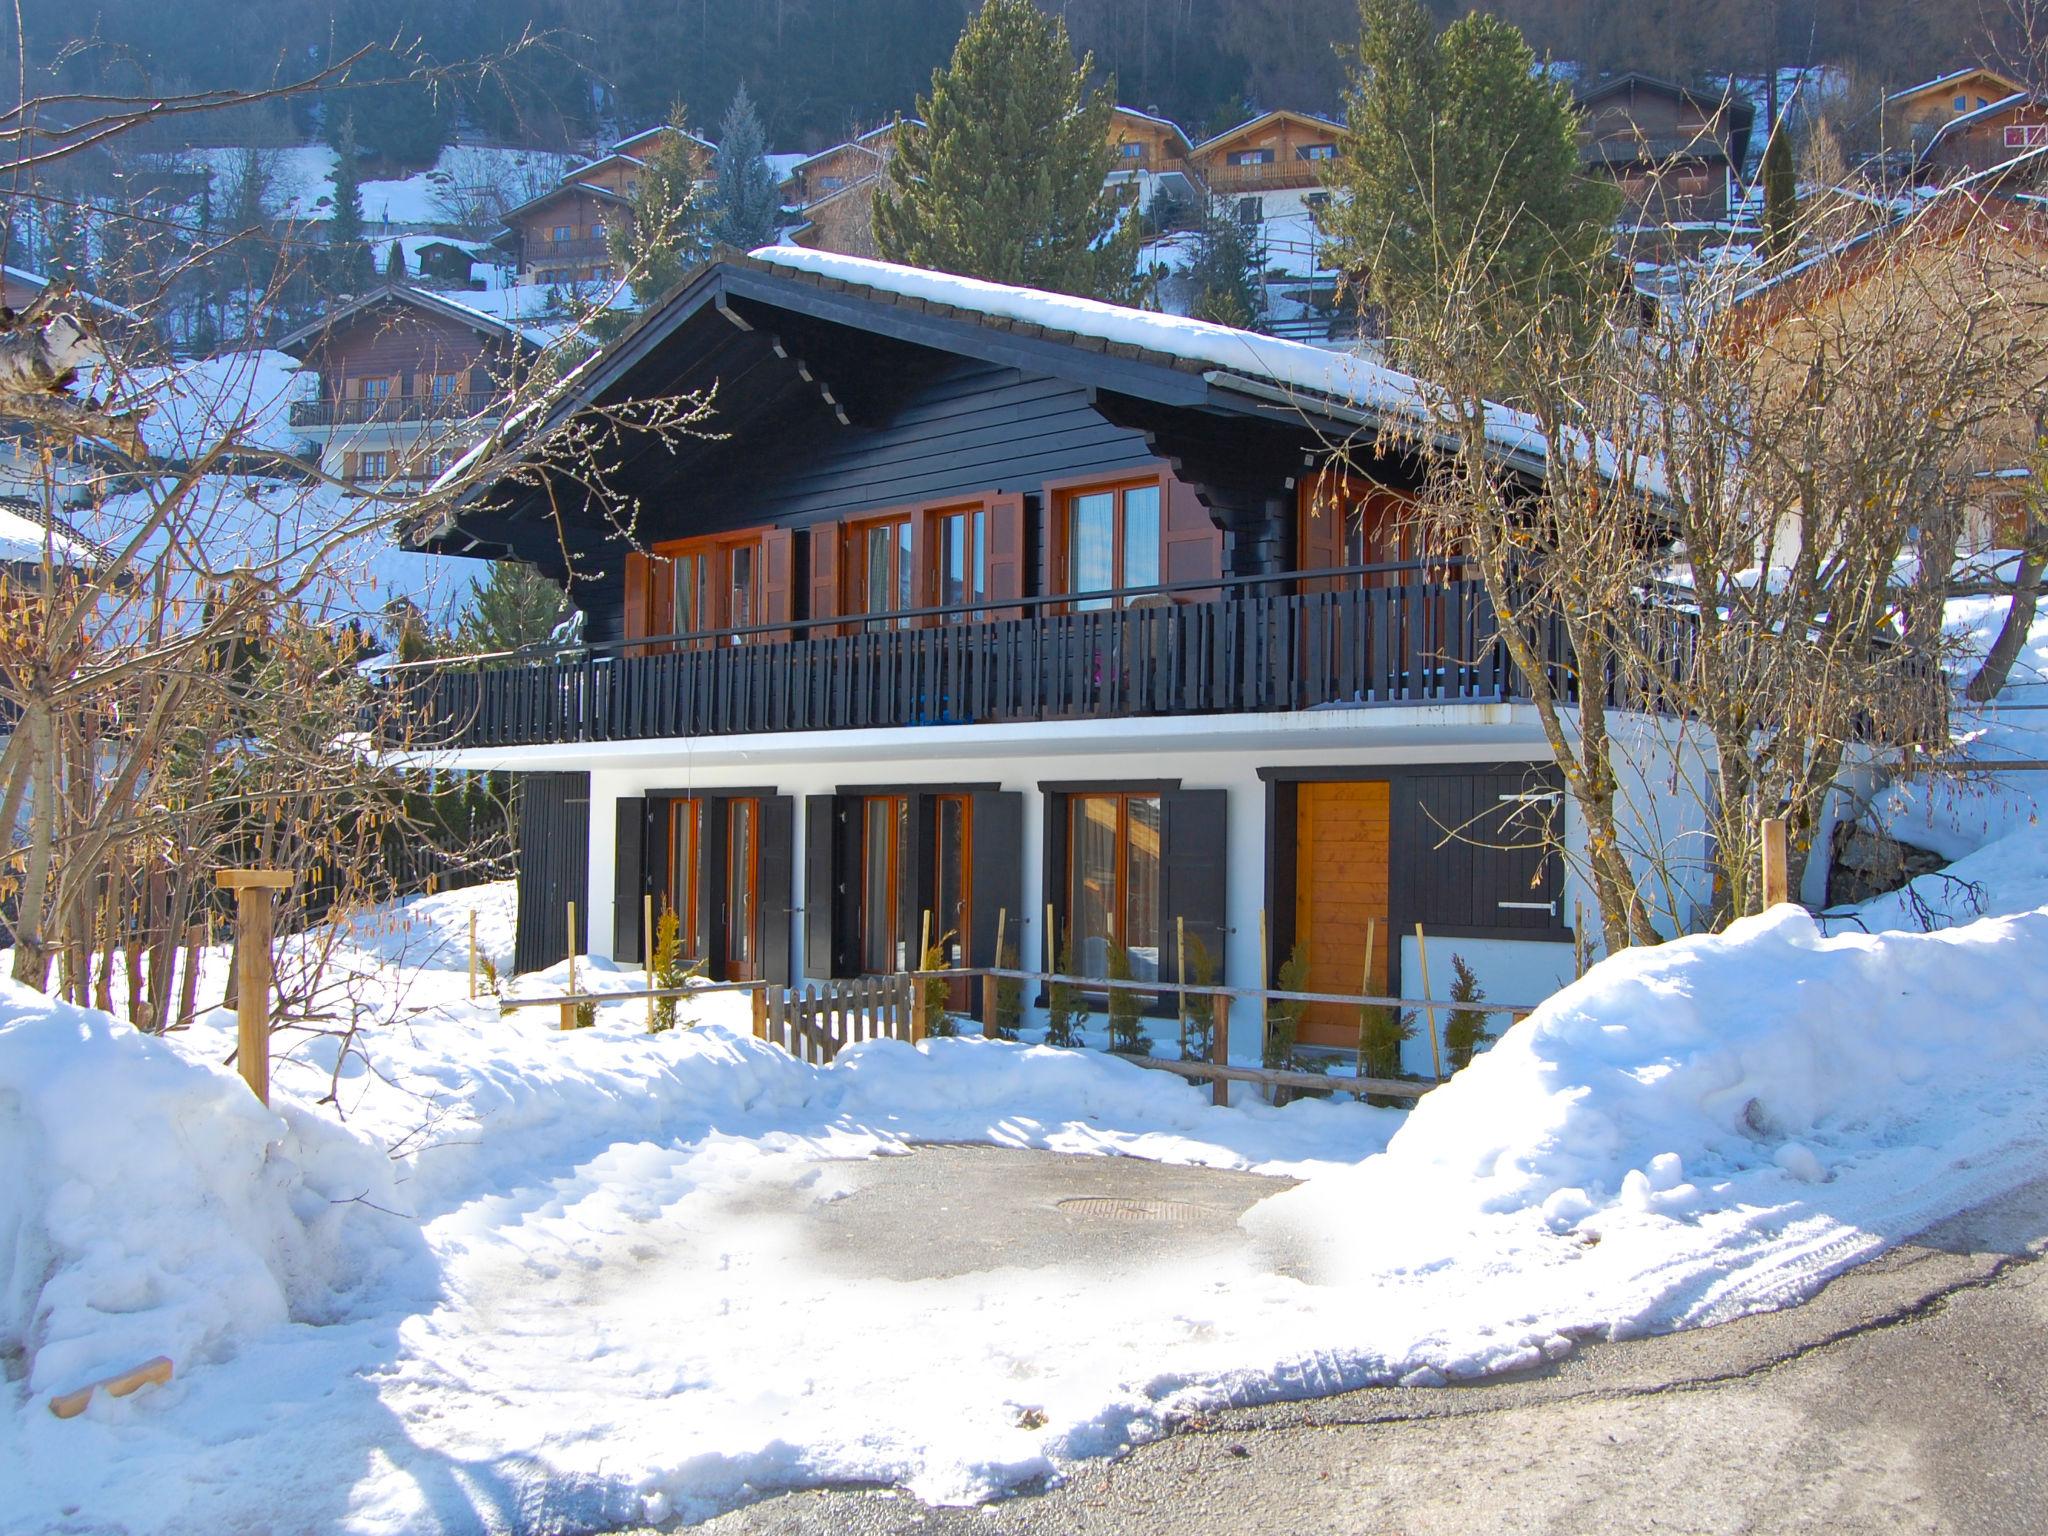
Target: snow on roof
point(1267, 364)
point(1154, 117)
point(1962, 121)
point(105, 306)
point(22, 539)
point(859, 139)
point(1947, 79)
point(196, 403)
point(625, 145)
point(430, 299)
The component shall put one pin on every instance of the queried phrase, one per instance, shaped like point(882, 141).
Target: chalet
point(1921, 111)
point(858, 160)
point(1675, 153)
point(1979, 237)
point(1275, 151)
point(558, 238)
point(985, 603)
point(1983, 138)
point(1151, 159)
point(406, 378)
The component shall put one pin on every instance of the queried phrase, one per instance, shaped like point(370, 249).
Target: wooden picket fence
point(816, 1022)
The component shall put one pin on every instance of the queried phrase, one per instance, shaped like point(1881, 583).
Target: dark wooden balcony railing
point(356, 413)
point(1246, 650)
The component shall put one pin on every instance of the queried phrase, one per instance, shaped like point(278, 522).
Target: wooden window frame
point(932, 519)
point(682, 873)
point(853, 565)
point(1120, 917)
point(730, 809)
point(1059, 499)
point(719, 547)
point(964, 929)
point(899, 809)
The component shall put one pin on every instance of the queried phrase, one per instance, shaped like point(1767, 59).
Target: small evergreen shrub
point(1198, 1021)
point(1126, 1008)
point(1283, 1020)
point(1464, 1028)
point(1009, 996)
point(938, 1019)
point(1063, 1010)
point(493, 983)
point(586, 1015)
point(1381, 1029)
point(668, 968)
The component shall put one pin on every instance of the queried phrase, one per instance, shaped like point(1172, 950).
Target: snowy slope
point(302, 185)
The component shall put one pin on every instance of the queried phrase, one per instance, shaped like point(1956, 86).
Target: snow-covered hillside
point(302, 187)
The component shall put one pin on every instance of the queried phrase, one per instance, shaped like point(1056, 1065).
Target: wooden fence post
point(472, 956)
point(1219, 1046)
point(1436, 1061)
point(1777, 863)
point(917, 1018)
point(761, 1012)
point(569, 1009)
point(1180, 949)
point(252, 888)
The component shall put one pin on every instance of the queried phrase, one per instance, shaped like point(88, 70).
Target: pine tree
point(349, 270)
point(1223, 278)
point(1005, 179)
point(1781, 197)
point(394, 263)
point(1464, 1028)
point(514, 606)
point(668, 231)
point(1458, 166)
point(749, 206)
point(1063, 1010)
point(1126, 1008)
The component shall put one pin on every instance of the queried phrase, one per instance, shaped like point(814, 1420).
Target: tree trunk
point(2012, 634)
point(31, 940)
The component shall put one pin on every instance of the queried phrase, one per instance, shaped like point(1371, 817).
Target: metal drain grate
point(1119, 1208)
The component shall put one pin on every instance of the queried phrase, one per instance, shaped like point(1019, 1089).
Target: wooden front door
point(1340, 886)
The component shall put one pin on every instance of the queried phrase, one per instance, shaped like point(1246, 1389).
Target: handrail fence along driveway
point(1422, 639)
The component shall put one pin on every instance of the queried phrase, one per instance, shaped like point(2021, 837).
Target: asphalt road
point(1911, 1395)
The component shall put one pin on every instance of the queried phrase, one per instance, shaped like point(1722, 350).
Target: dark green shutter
point(1196, 870)
point(996, 880)
point(629, 879)
point(821, 884)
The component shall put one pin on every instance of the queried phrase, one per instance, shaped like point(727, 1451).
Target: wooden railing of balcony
point(357, 413)
point(1411, 637)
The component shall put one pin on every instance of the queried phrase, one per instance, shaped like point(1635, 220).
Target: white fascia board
point(1511, 729)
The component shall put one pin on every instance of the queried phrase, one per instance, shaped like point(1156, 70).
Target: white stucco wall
point(1661, 804)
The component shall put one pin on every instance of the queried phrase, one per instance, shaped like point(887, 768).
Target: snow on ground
point(596, 1302)
point(195, 403)
point(475, 1273)
point(302, 186)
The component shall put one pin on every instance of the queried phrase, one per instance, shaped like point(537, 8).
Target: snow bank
point(1693, 1131)
point(152, 1206)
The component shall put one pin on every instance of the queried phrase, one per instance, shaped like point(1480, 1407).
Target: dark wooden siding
point(967, 427)
point(554, 867)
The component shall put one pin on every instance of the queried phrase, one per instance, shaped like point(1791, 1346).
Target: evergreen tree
point(349, 269)
point(1458, 165)
point(394, 263)
point(1223, 280)
point(668, 231)
point(514, 606)
point(1464, 1028)
point(1781, 197)
point(1005, 180)
point(748, 204)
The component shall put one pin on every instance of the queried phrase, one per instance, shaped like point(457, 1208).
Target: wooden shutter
point(554, 865)
point(1050, 539)
point(1475, 851)
point(629, 880)
point(778, 580)
point(777, 894)
point(821, 885)
point(1190, 543)
point(1196, 867)
point(1003, 572)
point(824, 595)
point(1319, 530)
point(638, 586)
point(995, 878)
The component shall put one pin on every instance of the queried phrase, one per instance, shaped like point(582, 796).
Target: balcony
point(541, 253)
point(1278, 176)
point(1413, 641)
point(394, 408)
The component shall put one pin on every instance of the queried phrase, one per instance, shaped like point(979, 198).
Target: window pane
point(906, 573)
point(742, 613)
point(977, 563)
point(949, 878)
point(739, 885)
point(1091, 545)
point(1141, 536)
point(1093, 846)
point(953, 559)
point(878, 885)
point(1141, 922)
